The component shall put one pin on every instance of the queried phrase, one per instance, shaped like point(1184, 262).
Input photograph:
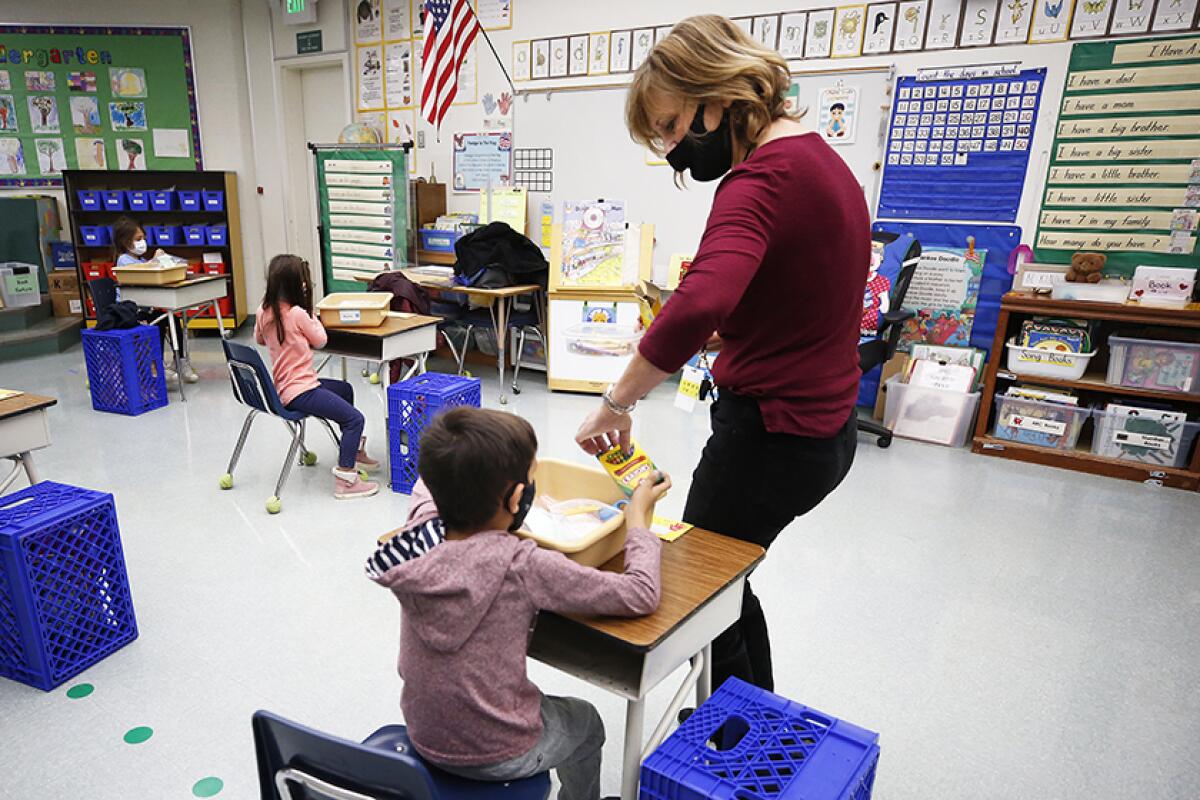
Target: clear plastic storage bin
point(19, 284)
point(1034, 422)
point(929, 415)
point(1154, 364)
point(1143, 439)
point(602, 339)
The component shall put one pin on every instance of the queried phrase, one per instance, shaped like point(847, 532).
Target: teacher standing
point(778, 276)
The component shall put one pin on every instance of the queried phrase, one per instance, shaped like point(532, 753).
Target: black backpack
point(496, 256)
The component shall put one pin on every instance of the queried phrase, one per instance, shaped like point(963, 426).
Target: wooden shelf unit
point(210, 180)
point(1014, 308)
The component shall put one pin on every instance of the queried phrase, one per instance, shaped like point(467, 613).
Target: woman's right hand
point(640, 511)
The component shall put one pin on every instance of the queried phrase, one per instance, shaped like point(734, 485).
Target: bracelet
point(614, 406)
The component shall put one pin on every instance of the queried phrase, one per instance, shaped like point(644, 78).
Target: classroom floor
point(1011, 631)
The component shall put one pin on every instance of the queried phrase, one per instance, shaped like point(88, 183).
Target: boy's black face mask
point(707, 154)
point(523, 505)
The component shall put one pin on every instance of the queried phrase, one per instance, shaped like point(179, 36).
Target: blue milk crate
point(218, 235)
point(89, 200)
point(125, 369)
point(162, 200)
point(64, 590)
point(114, 199)
point(195, 234)
point(138, 200)
point(745, 743)
point(189, 200)
point(95, 235)
point(412, 404)
point(214, 200)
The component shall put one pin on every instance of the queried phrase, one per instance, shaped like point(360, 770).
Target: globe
point(358, 133)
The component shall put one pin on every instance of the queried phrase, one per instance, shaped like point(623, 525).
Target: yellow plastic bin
point(354, 309)
point(151, 274)
point(563, 480)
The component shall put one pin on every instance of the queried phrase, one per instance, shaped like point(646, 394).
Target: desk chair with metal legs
point(523, 323)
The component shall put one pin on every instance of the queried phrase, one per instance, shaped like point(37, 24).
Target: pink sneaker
point(352, 488)
point(362, 460)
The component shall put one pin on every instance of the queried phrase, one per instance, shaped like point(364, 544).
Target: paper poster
point(1131, 16)
point(1051, 21)
point(558, 57)
point(643, 43)
point(1173, 15)
point(8, 113)
point(598, 54)
point(367, 24)
point(81, 81)
point(1012, 22)
point(85, 115)
point(12, 157)
point(494, 14)
point(791, 99)
point(522, 53)
point(507, 205)
point(468, 79)
point(172, 143)
point(43, 113)
point(127, 81)
point(398, 74)
point(910, 26)
point(370, 76)
point(52, 159)
point(131, 155)
point(839, 114)
point(541, 59)
point(397, 20)
point(1091, 18)
point(819, 39)
point(621, 43)
point(127, 115)
point(497, 110)
point(593, 244)
point(943, 293)
point(791, 35)
point(6, 81)
point(765, 30)
point(89, 154)
point(848, 31)
point(979, 20)
point(942, 32)
point(578, 55)
point(482, 160)
point(881, 22)
point(41, 81)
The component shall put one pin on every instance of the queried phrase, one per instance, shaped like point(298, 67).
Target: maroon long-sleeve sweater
point(780, 275)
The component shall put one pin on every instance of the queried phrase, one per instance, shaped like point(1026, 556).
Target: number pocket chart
point(958, 144)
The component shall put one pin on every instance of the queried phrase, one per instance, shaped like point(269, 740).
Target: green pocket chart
point(1124, 175)
point(362, 194)
point(90, 97)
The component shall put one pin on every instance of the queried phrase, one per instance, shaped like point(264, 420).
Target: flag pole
point(499, 61)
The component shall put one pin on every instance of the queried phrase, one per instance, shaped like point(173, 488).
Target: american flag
point(450, 30)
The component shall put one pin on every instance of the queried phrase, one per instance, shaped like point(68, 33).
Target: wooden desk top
point(391, 326)
point(24, 403)
point(444, 285)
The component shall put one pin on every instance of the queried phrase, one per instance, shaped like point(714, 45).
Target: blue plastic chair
point(296, 762)
point(253, 387)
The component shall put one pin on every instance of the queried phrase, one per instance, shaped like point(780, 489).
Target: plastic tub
point(89, 200)
point(1053, 425)
point(602, 339)
point(162, 200)
point(354, 309)
point(195, 234)
point(929, 415)
point(566, 481)
point(438, 241)
point(217, 235)
point(166, 235)
point(149, 275)
point(1154, 364)
point(1143, 439)
point(19, 284)
point(95, 235)
point(189, 200)
point(114, 199)
point(138, 200)
point(1046, 363)
point(214, 200)
point(1106, 291)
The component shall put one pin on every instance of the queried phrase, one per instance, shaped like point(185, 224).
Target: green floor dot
point(208, 787)
point(138, 735)
point(80, 691)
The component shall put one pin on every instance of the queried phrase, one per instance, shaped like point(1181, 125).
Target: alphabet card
point(1174, 15)
point(943, 24)
point(820, 34)
point(910, 27)
point(1091, 19)
point(1012, 23)
point(881, 22)
point(1051, 21)
point(979, 20)
point(1131, 16)
point(791, 35)
point(848, 31)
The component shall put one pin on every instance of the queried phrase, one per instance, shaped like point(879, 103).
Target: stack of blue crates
point(64, 591)
point(125, 369)
point(412, 404)
point(745, 742)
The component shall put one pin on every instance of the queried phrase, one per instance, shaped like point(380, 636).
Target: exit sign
point(308, 42)
point(295, 6)
point(298, 12)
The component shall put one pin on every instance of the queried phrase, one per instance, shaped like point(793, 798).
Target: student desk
point(179, 298)
point(703, 576)
point(400, 336)
point(24, 427)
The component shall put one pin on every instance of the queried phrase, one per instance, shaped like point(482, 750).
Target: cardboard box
point(63, 281)
point(64, 294)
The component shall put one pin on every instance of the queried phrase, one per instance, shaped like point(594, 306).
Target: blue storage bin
point(195, 234)
point(214, 200)
point(412, 404)
point(125, 369)
point(162, 200)
point(89, 200)
point(95, 235)
point(138, 200)
point(62, 255)
point(64, 591)
point(114, 199)
point(189, 200)
point(218, 235)
point(438, 241)
point(746, 743)
point(166, 235)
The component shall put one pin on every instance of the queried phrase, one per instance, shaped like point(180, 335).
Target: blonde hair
point(709, 59)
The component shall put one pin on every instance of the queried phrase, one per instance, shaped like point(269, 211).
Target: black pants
point(749, 485)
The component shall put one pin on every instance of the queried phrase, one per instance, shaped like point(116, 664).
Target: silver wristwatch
point(614, 406)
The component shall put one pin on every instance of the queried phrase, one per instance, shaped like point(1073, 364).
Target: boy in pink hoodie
point(470, 603)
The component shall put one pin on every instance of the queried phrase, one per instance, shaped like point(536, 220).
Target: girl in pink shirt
point(286, 325)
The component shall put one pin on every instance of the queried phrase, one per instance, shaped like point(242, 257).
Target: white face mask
point(139, 247)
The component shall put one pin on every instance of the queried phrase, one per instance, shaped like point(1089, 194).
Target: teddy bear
point(1086, 267)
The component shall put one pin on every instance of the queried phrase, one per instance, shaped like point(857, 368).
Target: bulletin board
point(80, 97)
point(958, 149)
point(1124, 175)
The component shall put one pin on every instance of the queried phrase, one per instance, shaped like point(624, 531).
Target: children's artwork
point(131, 155)
point(558, 57)
point(127, 81)
point(839, 114)
point(497, 110)
point(848, 31)
point(89, 154)
point(598, 50)
point(85, 115)
point(942, 32)
point(367, 24)
point(578, 59)
point(522, 53)
point(370, 78)
point(52, 159)
point(541, 59)
point(620, 45)
point(1012, 22)
point(172, 143)
point(881, 21)
point(8, 113)
point(819, 39)
point(791, 35)
point(127, 115)
point(5, 81)
point(43, 113)
point(910, 25)
point(979, 20)
point(40, 81)
point(12, 157)
point(593, 244)
point(81, 81)
point(1051, 21)
point(643, 43)
point(399, 74)
point(943, 293)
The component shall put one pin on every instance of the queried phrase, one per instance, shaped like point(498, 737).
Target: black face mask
point(707, 154)
point(523, 505)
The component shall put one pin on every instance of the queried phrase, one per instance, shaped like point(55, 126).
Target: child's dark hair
point(288, 281)
point(124, 231)
point(837, 107)
point(471, 459)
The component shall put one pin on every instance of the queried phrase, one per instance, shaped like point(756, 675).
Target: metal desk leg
point(704, 685)
point(216, 307)
point(343, 368)
point(631, 761)
point(499, 312)
point(175, 355)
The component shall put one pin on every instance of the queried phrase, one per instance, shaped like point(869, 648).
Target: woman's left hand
point(603, 430)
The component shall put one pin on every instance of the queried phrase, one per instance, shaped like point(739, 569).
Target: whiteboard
point(594, 157)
